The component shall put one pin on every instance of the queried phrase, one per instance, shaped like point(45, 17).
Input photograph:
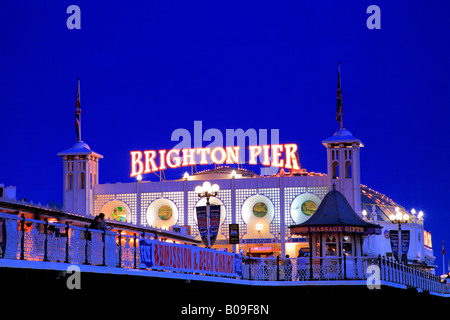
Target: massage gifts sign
point(177, 257)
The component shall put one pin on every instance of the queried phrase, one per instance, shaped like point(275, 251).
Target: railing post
point(67, 242)
point(86, 261)
point(345, 266)
point(46, 239)
point(22, 239)
point(278, 268)
point(379, 266)
point(104, 247)
point(120, 250)
point(135, 252)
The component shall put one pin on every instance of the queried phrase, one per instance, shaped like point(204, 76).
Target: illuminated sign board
point(185, 258)
point(427, 239)
point(278, 155)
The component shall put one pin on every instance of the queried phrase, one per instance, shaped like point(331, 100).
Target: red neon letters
point(272, 155)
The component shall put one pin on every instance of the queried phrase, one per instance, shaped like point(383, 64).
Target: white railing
point(340, 268)
point(37, 240)
point(298, 269)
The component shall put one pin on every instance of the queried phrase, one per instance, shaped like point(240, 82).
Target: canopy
point(335, 215)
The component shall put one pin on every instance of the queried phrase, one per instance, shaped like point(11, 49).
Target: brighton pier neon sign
point(148, 161)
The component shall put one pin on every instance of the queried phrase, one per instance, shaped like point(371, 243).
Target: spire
point(78, 114)
point(339, 109)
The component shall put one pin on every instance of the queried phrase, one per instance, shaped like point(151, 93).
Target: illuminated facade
point(263, 206)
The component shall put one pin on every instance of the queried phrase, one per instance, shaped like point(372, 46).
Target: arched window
point(69, 181)
point(335, 170)
point(348, 170)
point(82, 182)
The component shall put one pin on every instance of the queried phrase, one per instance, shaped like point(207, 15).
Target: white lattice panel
point(100, 200)
point(131, 200)
point(274, 195)
point(225, 197)
point(241, 196)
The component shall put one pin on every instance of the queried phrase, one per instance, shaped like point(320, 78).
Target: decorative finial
point(334, 186)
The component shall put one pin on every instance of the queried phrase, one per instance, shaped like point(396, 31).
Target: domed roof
point(79, 148)
point(343, 136)
point(223, 172)
point(374, 202)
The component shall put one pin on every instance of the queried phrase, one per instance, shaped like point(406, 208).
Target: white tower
point(343, 164)
point(80, 176)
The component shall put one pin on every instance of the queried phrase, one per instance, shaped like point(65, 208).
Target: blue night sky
point(149, 67)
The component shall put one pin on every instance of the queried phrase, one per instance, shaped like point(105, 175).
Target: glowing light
point(420, 216)
point(259, 227)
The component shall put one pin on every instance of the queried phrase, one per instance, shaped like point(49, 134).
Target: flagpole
point(78, 113)
point(339, 110)
point(443, 257)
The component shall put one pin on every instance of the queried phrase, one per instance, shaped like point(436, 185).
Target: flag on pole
point(443, 257)
point(339, 109)
point(78, 114)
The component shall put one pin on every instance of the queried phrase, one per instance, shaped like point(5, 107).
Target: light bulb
point(198, 190)
point(206, 186)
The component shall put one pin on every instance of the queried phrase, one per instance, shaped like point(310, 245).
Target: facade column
point(282, 219)
point(233, 208)
point(185, 202)
point(138, 204)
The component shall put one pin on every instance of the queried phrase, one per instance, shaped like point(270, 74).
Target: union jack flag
point(339, 109)
point(78, 114)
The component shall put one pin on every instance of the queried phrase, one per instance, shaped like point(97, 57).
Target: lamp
point(259, 227)
point(207, 191)
point(139, 178)
point(420, 215)
point(399, 218)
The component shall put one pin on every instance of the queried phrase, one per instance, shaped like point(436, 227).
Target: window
point(330, 245)
point(348, 170)
point(165, 213)
point(82, 182)
point(309, 207)
point(347, 245)
point(70, 181)
point(335, 170)
point(260, 209)
point(318, 249)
